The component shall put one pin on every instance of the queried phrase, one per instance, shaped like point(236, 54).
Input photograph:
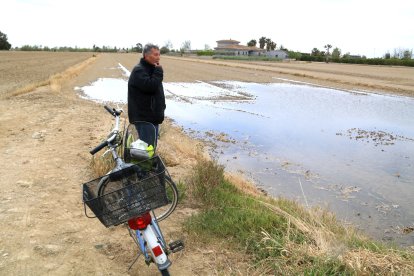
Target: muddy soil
point(46, 136)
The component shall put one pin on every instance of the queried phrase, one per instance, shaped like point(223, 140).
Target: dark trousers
point(147, 132)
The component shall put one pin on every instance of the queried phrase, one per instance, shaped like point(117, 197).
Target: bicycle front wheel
point(172, 196)
point(159, 213)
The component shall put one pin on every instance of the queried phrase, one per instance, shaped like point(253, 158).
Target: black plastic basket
point(128, 193)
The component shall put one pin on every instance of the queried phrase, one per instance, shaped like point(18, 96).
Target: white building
point(232, 47)
point(277, 54)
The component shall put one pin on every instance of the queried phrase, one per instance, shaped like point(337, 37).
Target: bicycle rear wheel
point(165, 272)
point(172, 196)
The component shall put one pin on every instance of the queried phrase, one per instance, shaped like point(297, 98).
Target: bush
point(369, 61)
point(205, 53)
point(250, 58)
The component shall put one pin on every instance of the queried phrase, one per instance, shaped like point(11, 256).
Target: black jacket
point(146, 100)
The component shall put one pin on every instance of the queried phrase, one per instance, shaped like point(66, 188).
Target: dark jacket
point(146, 100)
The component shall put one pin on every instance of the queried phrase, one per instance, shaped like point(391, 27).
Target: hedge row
point(370, 61)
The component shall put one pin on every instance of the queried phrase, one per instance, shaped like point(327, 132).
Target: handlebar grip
point(109, 110)
point(99, 147)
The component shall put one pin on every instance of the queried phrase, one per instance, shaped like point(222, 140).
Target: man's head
point(151, 53)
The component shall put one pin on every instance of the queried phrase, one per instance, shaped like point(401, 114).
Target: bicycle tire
point(102, 187)
point(172, 195)
point(165, 272)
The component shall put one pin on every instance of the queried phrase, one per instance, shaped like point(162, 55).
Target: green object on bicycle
point(137, 155)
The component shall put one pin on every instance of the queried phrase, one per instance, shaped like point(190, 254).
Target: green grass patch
point(280, 235)
point(247, 58)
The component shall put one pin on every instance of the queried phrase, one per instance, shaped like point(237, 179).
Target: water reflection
point(352, 152)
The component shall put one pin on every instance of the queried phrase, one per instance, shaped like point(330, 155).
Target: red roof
point(228, 40)
point(239, 47)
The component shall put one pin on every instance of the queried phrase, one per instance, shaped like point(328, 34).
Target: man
point(146, 100)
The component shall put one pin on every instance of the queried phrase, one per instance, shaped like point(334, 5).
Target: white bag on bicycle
point(139, 150)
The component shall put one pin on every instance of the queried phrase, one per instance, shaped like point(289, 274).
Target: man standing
point(146, 100)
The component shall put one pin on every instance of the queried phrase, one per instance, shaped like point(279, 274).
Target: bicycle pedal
point(176, 246)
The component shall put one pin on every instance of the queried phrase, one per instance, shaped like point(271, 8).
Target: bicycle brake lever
point(103, 155)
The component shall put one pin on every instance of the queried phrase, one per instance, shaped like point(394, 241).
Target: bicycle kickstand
point(134, 261)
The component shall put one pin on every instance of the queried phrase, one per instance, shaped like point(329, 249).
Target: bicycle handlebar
point(99, 147)
point(116, 113)
point(109, 110)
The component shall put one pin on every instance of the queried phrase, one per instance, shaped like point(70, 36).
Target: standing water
point(351, 152)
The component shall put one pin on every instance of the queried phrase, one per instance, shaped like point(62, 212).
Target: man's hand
point(157, 64)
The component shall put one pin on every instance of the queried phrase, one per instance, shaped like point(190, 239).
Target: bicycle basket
point(117, 197)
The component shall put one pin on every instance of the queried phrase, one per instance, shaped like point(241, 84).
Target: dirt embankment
point(46, 136)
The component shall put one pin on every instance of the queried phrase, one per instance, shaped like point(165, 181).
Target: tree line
point(399, 56)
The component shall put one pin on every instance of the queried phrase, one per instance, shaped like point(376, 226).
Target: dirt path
point(46, 137)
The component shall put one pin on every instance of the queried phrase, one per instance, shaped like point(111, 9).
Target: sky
point(360, 27)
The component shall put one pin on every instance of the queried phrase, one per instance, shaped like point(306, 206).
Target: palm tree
point(327, 47)
point(262, 42)
point(268, 42)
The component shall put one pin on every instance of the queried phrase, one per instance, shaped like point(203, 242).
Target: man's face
point(153, 57)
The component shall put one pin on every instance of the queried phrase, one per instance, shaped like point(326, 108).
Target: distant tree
point(315, 52)
point(164, 50)
point(168, 45)
point(336, 53)
point(262, 42)
point(387, 55)
point(186, 46)
point(398, 53)
point(96, 48)
point(252, 43)
point(283, 48)
point(4, 44)
point(407, 54)
point(138, 48)
point(207, 47)
point(272, 46)
point(327, 47)
point(295, 55)
point(268, 43)
point(346, 55)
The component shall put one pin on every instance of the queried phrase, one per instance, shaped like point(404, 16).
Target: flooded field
point(349, 151)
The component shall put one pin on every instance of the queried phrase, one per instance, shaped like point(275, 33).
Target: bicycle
point(139, 193)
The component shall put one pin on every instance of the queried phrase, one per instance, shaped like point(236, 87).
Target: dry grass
point(366, 262)
point(57, 80)
point(101, 165)
point(176, 149)
point(330, 244)
point(243, 185)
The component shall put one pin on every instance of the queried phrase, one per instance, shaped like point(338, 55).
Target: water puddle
point(349, 151)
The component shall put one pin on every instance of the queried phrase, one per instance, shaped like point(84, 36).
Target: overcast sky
point(365, 27)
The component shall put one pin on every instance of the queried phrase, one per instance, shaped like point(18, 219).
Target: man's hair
point(148, 47)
